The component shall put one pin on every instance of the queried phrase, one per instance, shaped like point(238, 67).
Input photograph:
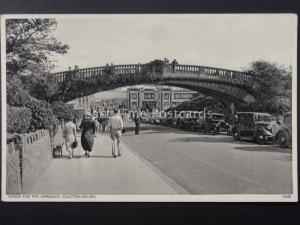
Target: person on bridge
point(115, 126)
point(69, 135)
point(88, 127)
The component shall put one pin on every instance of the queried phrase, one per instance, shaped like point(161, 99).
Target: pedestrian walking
point(115, 126)
point(88, 127)
point(103, 124)
point(137, 121)
point(96, 125)
point(70, 136)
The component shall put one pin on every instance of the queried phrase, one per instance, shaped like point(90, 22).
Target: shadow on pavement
point(101, 156)
point(264, 148)
point(206, 139)
point(65, 157)
point(155, 129)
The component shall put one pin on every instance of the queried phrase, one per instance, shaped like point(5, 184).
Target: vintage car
point(182, 123)
point(257, 126)
point(212, 122)
point(284, 134)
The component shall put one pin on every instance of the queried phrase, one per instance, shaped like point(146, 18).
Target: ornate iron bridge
point(222, 83)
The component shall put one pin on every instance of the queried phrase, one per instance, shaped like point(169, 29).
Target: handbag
point(57, 151)
point(74, 144)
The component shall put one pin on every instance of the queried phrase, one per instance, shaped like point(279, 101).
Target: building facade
point(82, 102)
point(109, 104)
point(159, 98)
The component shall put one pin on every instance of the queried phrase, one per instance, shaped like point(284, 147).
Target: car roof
point(255, 113)
point(217, 114)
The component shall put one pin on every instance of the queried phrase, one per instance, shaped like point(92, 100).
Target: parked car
point(212, 122)
point(259, 127)
point(284, 134)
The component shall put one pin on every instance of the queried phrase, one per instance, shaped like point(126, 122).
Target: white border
point(147, 198)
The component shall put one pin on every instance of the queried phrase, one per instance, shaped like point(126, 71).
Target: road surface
point(213, 164)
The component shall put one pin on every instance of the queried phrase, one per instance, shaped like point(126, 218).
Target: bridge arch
point(225, 85)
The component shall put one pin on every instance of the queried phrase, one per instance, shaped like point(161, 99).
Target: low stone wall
point(13, 175)
point(36, 155)
point(27, 156)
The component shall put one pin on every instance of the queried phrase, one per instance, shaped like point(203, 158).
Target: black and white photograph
point(149, 107)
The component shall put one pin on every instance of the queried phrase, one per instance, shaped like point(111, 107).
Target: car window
point(287, 119)
point(217, 117)
point(264, 118)
point(248, 121)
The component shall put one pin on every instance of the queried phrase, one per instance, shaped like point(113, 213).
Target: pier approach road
point(212, 164)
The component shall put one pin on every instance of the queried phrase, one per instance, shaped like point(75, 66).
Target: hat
point(87, 114)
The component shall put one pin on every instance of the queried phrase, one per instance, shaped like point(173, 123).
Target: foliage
point(198, 104)
point(42, 114)
point(78, 113)
point(18, 119)
point(78, 87)
point(156, 66)
point(39, 86)
point(273, 87)
point(61, 110)
point(29, 47)
point(29, 44)
point(16, 95)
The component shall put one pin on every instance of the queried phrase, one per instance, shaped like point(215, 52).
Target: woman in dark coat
point(88, 127)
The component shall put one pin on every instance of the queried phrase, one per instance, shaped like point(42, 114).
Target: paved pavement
point(164, 160)
point(214, 164)
point(101, 174)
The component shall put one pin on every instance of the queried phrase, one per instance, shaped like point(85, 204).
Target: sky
point(217, 40)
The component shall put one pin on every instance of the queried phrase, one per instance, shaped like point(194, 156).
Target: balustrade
point(187, 70)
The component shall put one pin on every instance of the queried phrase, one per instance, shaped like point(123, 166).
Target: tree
point(29, 44)
point(16, 95)
point(272, 87)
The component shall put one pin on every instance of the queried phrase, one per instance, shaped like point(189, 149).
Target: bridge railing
point(98, 71)
point(183, 71)
point(211, 72)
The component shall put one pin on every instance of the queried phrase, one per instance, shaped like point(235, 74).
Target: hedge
point(61, 110)
point(42, 114)
point(18, 119)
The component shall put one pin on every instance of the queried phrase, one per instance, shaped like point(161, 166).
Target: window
point(177, 96)
point(174, 104)
point(134, 96)
point(166, 105)
point(166, 96)
point(149, 96)
point(183, 95)
point(134, 106)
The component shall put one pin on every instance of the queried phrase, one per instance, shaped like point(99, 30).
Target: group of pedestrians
point(89, 127)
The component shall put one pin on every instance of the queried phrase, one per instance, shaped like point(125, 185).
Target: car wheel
point(260, 138)
point(283, 139)
point(236, 135)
